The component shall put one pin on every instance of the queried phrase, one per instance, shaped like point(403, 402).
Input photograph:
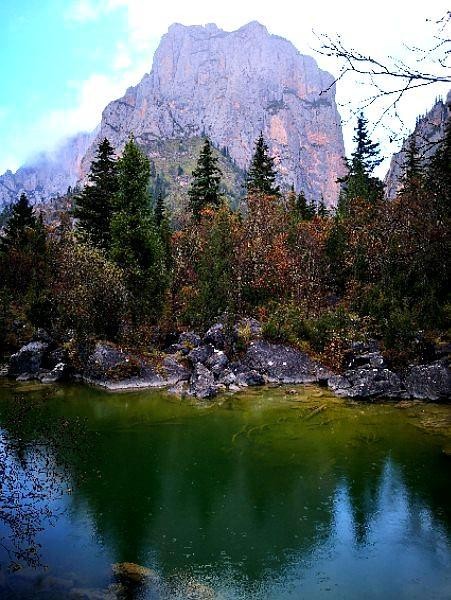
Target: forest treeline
point(115, 269)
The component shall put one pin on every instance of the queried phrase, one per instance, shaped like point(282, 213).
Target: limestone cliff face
point(227, 85)
point(230, 86)
point(428, 131)
point(49, 174)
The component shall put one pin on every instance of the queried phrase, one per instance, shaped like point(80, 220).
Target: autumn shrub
point(88, 291)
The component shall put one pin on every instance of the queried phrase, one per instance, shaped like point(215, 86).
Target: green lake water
point(262, 495)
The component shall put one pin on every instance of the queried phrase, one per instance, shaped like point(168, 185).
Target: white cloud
point(84, 10)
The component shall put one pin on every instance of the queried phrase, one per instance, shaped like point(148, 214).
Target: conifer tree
point(359, 181)
point(215, 269)
point(159, 209)
point(321, 210)
point(204, 190)
point(438, 175)
point(20, 224)
point(135, 243)
point(94, 205)
point(413, 173)
point(262, 175)
point(302, 206)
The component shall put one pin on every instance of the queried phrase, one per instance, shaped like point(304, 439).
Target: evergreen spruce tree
point(216, 289)
point(413, 172)
point(135, 243)
point(359, 181)
point(94, 205)
point(159, 211)
point(20, 224)
point(262, 175)
point(302, 207)
point(438, 176)
point(321, 210)
point(204, 190)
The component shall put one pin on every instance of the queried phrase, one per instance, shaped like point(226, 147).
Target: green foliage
point(217, 293)
point(204, 190)
point(136, 246)
point(94, 205)
point(262, 175)
point(413, 173)
point(20, 226)
point(438, 176)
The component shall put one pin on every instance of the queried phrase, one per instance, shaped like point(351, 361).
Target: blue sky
point(63, 60)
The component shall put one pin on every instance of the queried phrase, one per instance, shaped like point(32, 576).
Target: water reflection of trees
point(178, 494)
point(181, 493)
point(36, 449)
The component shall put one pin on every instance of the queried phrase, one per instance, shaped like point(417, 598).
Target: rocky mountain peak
point(229, 86)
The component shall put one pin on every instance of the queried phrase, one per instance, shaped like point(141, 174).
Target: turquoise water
point(262, 495)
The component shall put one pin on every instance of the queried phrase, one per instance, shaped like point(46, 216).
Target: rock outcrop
point(194, 366)
point(428, 131)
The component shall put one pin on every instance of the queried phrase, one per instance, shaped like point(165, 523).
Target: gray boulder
point(249, 378)
point(202, 383)
point(216, 336)
point(283, 364)
point(28, 359)
point(173, 371)
point(217, 362)
point(104, 361)
point(59, 373)
point(366, 383)
point(369, 360)
point(189, 339)
point(228, 377)
point(200, 354)
point(429, 382)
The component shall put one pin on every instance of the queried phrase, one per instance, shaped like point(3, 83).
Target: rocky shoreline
point(202, 366)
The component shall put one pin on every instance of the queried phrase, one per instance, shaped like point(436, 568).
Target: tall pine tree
point(413, 172)
point(261, 177)
point(359, 181)
point(94, 205)
point(439, 175)
point(204, 190)
point(135, 243)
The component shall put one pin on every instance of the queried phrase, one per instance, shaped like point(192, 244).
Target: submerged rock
point(133, 573)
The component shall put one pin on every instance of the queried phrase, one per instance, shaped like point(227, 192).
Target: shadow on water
point(264, 496)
